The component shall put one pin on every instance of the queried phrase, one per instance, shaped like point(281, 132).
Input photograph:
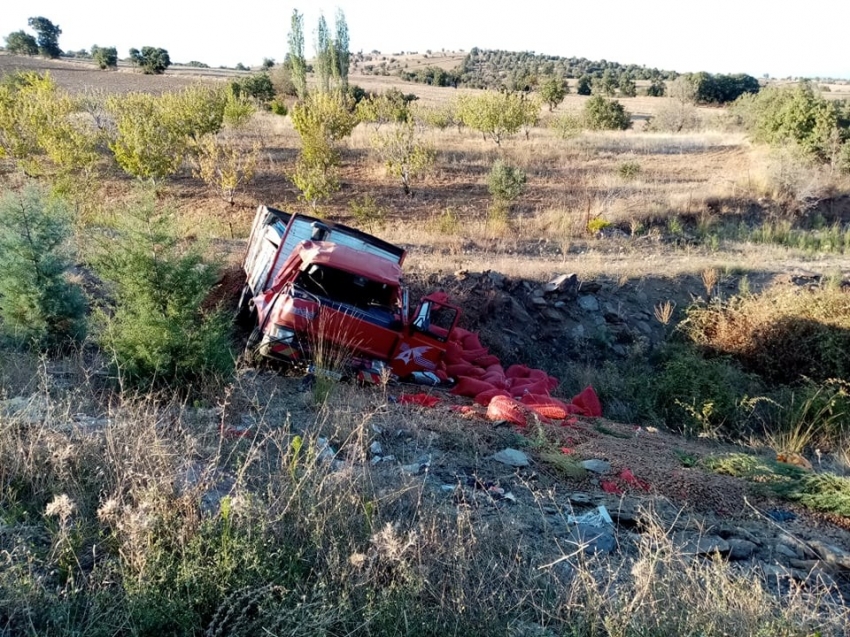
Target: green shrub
point(629, 169)
point(781, 335)
point(158, 332)
point(597, 225)
point(39, 307)
point(105, 57)
point(505, 182)
point(258, 87)
point(278, 108)
point(152, 60)
point(602, 114)
point(567, 125)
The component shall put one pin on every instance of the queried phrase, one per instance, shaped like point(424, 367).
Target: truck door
point(424, 341)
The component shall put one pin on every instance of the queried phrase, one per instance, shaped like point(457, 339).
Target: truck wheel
point(252, 356)
point(245, 311)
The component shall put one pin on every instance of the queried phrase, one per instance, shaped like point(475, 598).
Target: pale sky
point(781, 38)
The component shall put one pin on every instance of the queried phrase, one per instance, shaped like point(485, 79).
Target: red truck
point(313, 284)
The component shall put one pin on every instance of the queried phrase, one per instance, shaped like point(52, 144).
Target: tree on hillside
point(152, 60)
point(602, 114)
point(496, 115)
point(105, 57)
point(21, 43)
point(553, 91)
point(627, 85)
point(297, 63)
point(48, 36)
point(656, 88)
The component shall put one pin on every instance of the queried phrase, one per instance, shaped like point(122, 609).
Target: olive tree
point(496, 115)
point(105, 57)
point(403, 152)
point(21, 43)
point(48, 36)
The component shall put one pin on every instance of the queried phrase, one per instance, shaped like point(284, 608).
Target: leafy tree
point(602, 114)
point(48, 36)
point(322, 120)
point(324, 55)
point(152, 60)
point(342, 56)
point(40, 128)
point(505, 182)
point(584, 86)
point(157, 332)
point(404, 153)
point(722, 89)
point(799, 116)
point(224, 166)
point(39, 307)
point(105, 57)
point(258, 87)
point(297, 63)
point(606, 84)
point(627, 85)
point(268, 64)
point(392, 106)
point(21, 43)
point(553, 91)
point(656, 88)
point(495, 115)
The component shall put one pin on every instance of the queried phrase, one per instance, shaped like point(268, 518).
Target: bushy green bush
point(158, 332)
point(106, 57)
point(603, 114)
point(505, 182)
point(39, 306)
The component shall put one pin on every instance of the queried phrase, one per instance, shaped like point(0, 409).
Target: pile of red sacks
point(509, 394)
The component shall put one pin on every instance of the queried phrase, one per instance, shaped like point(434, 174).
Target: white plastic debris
point(598, 518)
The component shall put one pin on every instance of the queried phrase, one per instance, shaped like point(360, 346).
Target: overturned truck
point(325, 293)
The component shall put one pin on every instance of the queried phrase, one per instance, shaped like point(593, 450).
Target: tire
point(245, 311)
point(252, 355)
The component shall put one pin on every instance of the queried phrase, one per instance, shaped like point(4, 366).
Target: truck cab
point(316, 291)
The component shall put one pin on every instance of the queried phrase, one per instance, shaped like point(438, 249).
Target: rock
point(578, 332)
point(588, 303)
point(593, 539)
point(563, 283)
point(775, 571)
point(703, 545)
point(619, 350)
point(518, 313)
point(590, 287)
point(552, 315)
point(786, 551)
point(596, 466)
point(581, 498)
point(511, 457)
point(831, 554)
point(376, 449)
point(644, 327)
point(740, 549)
point(538, 300)
point(497, 279)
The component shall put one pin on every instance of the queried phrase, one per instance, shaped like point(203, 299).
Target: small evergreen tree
point(152, 60)
point(157, 332)
point(39, 307)
point(584, 86)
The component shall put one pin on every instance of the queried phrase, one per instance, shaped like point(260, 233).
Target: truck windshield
point(344, 287)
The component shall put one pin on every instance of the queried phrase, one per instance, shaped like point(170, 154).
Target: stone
point(703, 545)
point(831, 554)
point(596, 466)
point(578, 332)
point(563, 283)
point(376, 449)
point(581, 498)
point(593, 539)
point(552, 315)
point(538, 300)
point(590, 287)
point(644, 327)
point(588, 303)
point(496, 279)
point(511, 457)
point(786, 551)
point(740, 549)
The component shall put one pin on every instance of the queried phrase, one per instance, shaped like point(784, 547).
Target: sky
point(758, 37)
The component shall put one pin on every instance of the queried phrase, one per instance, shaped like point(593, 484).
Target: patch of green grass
point(821, 492)
point(566, 465)
point(686, 459)
point(611, 432)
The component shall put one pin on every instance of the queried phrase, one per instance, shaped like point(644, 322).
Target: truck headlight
point(281, 334)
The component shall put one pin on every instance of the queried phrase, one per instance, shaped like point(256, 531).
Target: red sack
point(470, 341)
point(470, 355)
point(517, 371)
point(496, 380)
point(470, 387)
point(553, 383)
point(458, 334)
point(486, 360)
point(485, 397)
point(588, 402)
point(442, 375)
point(527, 386)
point(495, 368)
point(453, 350)
point(423, 400)
point(475, 372)
point(538, 374)
point(459, 369)
point(504, 408)
point(546, 406)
